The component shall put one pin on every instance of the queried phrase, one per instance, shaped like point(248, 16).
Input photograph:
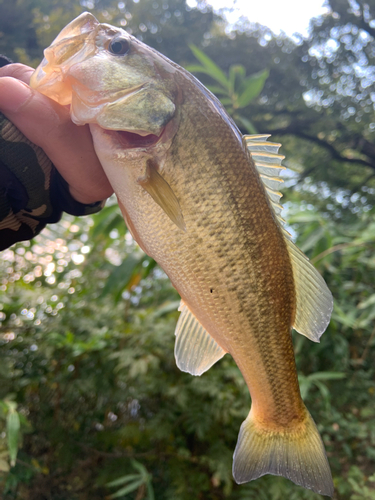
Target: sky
point(290, 16)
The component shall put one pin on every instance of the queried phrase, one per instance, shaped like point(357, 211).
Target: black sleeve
point(32, 192)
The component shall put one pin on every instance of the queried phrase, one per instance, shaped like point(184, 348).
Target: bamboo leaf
point(123, 480)
point(304, 385)
point(313, 239)
point(226, 101)
point(235, 71)
point(127, 489)
point(150, 491)
point(323, 390)
point(247, 124)
point(211, 68)
point(141, 468)
point(13, 432)
point(252, 87)
point(327, 376)
point(121, 276)
point(196, 68)
point(217, 90)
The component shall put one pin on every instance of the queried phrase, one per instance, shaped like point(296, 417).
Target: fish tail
point(295, 453)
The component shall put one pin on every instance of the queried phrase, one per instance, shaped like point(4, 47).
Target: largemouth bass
point(202, 200)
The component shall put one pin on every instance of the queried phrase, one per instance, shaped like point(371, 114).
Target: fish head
point(109, 79)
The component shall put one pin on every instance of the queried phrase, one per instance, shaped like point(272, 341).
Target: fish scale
point(242, 204)
point(203, 202)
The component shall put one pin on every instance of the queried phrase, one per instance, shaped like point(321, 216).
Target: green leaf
point(347, 319)
point(141, 468)
point(313, 239)
point(327, 376)
point(226, 101)
point(211, 68)
point(217, 90)
point(195, 68)
point(13, 433)
point(107, 219)
point(304, 385)
point(252, 87)
point(370, 301)
point(247, 124)
point(167, 308)
point(121, 276)
point(150, 491)
point(235, 71)
point(128, 489)
point(122, 480)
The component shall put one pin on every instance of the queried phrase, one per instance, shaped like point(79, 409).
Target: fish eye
point(119, 47)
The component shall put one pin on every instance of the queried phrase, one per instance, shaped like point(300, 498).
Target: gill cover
point(128, 91)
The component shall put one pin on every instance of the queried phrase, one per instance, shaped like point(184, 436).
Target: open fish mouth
point(131, 140)
point(140, 140)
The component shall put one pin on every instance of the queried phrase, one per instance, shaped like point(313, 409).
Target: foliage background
point(89, 392)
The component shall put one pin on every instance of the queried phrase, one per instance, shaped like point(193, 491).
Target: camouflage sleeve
point(32, 192)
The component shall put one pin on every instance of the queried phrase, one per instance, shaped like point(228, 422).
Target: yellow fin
point(296, 453)
point(314, 302)
point(195, 350)
point(162, 194)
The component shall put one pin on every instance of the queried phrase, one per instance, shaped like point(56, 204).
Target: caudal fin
point(297, 454)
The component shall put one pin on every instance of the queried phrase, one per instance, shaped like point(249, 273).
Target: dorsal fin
point(195, 350)
point(314, 301)
point(268, 163)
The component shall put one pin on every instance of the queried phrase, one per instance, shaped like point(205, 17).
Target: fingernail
point(14, 94)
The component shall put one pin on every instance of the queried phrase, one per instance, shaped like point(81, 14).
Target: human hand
point(48, 125)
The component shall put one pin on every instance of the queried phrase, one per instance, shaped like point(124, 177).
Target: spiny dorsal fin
point(314, 301)
point(268, 164)
point(195, 350)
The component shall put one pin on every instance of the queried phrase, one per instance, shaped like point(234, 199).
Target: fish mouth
point(131, 140)
point(140, 140)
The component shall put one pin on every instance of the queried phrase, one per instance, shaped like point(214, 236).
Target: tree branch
point(326, 145)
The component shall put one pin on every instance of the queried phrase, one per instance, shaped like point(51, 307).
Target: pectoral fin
point(162, 194)
point(195, 350)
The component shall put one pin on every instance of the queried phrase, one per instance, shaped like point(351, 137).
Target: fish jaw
point(73, 45)
point(133, 92)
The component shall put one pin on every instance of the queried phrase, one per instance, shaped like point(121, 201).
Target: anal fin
point(195, 350)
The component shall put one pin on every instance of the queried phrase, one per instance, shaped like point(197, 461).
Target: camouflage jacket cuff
point(32, 192)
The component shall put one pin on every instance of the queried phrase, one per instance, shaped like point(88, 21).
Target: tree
point(318, 100)
point(87, 320)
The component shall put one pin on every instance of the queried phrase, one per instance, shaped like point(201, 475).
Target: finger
point(18, 71)
point(48, 125)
